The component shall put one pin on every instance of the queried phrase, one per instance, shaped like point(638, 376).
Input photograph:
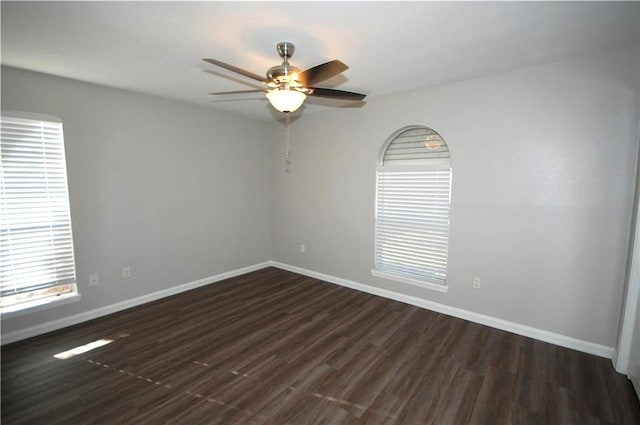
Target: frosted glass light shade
point(286, 100)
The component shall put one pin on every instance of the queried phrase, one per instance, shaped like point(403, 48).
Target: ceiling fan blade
point(336, 94)
point(235, 69)
point(321, 72)
point(239, 91)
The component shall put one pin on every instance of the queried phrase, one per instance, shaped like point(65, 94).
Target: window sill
point(38, 305)
point(410, 281)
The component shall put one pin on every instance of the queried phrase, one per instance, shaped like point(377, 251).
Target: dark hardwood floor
point(273, 347)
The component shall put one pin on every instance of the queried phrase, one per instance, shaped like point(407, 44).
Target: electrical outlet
point(126, 272)
point(476, 282)
point(93, 279)
point(303, 249)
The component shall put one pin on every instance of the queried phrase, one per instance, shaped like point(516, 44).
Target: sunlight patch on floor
point(82, 349)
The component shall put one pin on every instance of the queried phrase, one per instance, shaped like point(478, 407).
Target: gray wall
point(543, 171)
point(633, 280)
point(634, 360)
point(176, 192)
point(634, 357)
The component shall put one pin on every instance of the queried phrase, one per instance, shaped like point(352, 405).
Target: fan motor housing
point(282, 73)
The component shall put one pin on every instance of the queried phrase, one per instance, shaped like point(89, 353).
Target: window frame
point(42, 296)
point(434, 164)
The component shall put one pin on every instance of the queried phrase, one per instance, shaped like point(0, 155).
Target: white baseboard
point(528, 331)
point(516, 328)
point(113, 308)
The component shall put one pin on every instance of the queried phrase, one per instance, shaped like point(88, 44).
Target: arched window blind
point(412, 208)
point(36, 244)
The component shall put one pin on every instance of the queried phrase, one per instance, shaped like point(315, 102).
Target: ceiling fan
point(287, 87)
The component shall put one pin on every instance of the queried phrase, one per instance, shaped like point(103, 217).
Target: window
point(413, 194)
point(36, 246)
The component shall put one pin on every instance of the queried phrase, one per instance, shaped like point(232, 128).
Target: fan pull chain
point(287, 133)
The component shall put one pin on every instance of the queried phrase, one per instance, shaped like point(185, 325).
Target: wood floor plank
point(274, 347)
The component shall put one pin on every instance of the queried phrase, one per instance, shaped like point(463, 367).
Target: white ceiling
point(391, 47)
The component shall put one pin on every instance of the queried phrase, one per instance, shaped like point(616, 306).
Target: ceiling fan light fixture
point(286, 100)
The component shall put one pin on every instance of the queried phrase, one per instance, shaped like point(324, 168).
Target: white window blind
point(412, 208)
point(36, 244)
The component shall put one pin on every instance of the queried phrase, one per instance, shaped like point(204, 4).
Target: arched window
point(413, 195)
